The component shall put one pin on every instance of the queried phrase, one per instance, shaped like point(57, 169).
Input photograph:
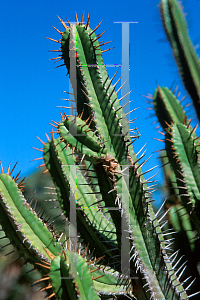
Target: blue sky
point(31, 87)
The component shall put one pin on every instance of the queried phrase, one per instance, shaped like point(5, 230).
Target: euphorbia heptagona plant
point(117, 247)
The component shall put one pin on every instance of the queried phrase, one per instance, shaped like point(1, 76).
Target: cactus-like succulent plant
point(116, 246)
point(181, 151)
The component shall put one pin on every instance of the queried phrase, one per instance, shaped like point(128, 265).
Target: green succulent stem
point(101, 187)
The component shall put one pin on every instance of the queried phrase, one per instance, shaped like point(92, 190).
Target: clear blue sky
point(31, 87)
